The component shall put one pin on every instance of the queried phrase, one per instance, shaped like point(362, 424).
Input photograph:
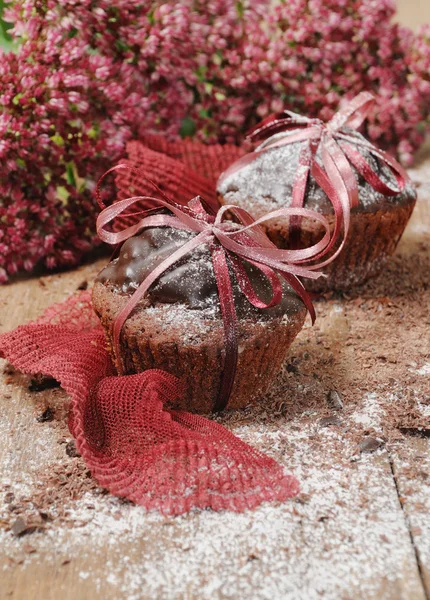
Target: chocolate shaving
point(327, 421)
point(39, 383)
point(371, 444)
point(71, 449)
point(334, 400)
point(9, 497)
point(416, 431)
point(47, 415)
point(20, 528)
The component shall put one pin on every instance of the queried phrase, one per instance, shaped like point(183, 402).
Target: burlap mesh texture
point(182, 170)
point(136, 448)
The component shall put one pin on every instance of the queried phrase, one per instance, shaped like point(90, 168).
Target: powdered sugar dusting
point(424, 370)
point(370, 412)
point(345, 539)
point(412, 469)
point(266, 183)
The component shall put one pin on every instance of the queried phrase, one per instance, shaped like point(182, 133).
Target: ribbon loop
point(231, 243)
point(338, 143)
point(353, 113)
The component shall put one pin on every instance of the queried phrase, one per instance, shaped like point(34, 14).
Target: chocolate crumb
point(370, 444)
point(83, 285)
point(302, 498)
point(20, 528)
point(9, 497)
point(416, 431)
point(252, 557)
point(334, 400)
point(47, 415)
point(327, 421)
point(71, 449)
point(39, 383)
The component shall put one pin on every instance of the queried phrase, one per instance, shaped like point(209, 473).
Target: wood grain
point(360, 529)
point(345, 540)
point(411, 467)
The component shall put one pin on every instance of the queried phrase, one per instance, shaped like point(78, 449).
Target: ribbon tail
point(343, 167)
point(354, 113)
point(366, 171)
point(300, 290)
point(246, 285)
point(324, 182)
point(229, 318)
point(306, 158)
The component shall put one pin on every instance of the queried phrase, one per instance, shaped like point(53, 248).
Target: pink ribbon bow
point(339, 152)
point(229, 243)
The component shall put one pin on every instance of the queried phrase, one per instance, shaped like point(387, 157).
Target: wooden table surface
point(360, 529)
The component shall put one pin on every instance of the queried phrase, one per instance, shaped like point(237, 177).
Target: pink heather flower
point(89, 76)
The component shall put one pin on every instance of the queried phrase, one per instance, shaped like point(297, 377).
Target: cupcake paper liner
point(197, 356)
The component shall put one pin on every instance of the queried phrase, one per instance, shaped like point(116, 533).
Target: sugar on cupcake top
point(266, 183)
point(190, 281)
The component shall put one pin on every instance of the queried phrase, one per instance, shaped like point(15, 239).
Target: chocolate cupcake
point(265, 180)
point(178, 326)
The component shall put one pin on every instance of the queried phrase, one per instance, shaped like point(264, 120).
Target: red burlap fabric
point(182, 169)
point(133, 445)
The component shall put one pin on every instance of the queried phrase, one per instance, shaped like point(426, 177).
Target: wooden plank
point(411, 466)
point(411, 459)
point(345, 537)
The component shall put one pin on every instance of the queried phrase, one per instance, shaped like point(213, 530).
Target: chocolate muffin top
point(190, 281)
point(266, 183)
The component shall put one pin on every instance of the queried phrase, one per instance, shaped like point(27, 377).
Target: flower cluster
point(88, 76)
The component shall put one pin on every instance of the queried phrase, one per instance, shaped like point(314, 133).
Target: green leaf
point(188, 128)
point(16, 99)
point(70, 172)
point(121, 46)
point(62, 194)
point(6, 40)
point(57, 139)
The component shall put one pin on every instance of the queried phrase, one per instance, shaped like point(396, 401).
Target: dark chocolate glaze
point(271, 177)
point(190, 281)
